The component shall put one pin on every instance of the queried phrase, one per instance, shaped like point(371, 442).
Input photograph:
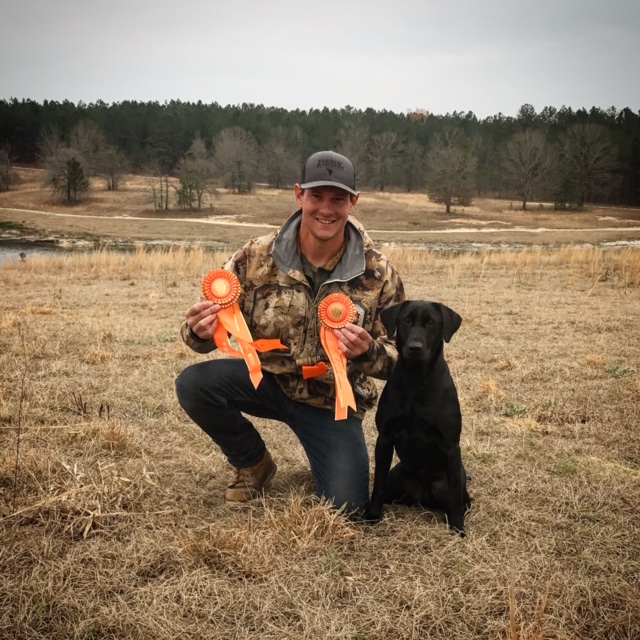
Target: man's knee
point(186, 384)
point(348, 490)
point(195, 387)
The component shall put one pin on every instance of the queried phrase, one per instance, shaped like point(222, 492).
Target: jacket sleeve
point(193, 342)
point(382, 355)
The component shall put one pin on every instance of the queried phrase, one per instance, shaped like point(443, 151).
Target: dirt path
point(123, 229)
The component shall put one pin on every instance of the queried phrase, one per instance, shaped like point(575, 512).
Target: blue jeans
point(216, 393)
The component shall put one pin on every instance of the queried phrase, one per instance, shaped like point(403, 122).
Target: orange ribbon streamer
point(336, 311)
point(314, 370)
point(223, 288)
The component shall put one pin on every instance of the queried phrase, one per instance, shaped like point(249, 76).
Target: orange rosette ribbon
point(337, 311)
point(223, 288)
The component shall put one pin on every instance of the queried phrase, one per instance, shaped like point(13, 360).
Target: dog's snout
point(415, 348)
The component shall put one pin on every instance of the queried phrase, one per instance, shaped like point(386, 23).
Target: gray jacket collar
point(286, 256)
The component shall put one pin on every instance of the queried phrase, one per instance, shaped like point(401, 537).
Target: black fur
point(419, 416)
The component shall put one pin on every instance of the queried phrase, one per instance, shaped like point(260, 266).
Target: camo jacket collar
point(286, 256)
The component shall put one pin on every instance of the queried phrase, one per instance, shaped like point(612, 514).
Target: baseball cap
point(329, 169)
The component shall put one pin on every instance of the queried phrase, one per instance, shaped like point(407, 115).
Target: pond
point(10, 250)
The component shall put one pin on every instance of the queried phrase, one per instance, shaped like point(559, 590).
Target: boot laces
point(243, 476)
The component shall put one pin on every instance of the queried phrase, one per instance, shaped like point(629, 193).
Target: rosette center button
point(221, 287)
point(337, 311)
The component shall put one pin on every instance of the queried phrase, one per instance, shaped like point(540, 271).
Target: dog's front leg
point(455, 478)
point(383, 457)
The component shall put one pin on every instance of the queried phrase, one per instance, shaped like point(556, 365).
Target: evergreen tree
point(67, 176)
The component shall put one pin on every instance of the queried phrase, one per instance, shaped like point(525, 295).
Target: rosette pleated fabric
point(335, 312)
point(223, 288)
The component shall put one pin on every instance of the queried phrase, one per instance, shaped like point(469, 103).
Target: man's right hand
point(202, 319)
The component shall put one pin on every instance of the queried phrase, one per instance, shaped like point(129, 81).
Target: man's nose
point(325, 206)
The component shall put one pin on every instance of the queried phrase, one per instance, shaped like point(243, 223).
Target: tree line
point(559, 155)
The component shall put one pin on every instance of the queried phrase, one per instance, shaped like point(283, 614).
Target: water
point(11, 250)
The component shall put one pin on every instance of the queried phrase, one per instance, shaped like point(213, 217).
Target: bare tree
point(488, 171)
point(526, 162)
point(281, 157)
point(158, 181)
point(587, 158)
point(111, 165)
point(384, 150)
point(235, 154)
point(49, 142)
point(413, 165)
point(353, 142)
point(451, 167)
point(194, 173)
point(88, 141)
point(67, 170)
point(7, 176)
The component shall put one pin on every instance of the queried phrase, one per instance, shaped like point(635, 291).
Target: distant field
point(127, 215)
point(112, 517)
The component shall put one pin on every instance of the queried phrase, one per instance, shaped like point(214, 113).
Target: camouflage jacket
point(278, 302)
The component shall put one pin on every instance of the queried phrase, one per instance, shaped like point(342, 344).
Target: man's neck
point(319, 253)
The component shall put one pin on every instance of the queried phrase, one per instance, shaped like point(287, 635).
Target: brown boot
point(252, 481)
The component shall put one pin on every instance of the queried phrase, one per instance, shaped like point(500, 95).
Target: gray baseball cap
point(329, 169)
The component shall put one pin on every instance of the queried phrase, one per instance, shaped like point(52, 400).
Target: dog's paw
point(372, 515)
point(456, 526)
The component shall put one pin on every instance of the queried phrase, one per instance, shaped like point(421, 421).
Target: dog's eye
point(428, 321)
point(407, 321)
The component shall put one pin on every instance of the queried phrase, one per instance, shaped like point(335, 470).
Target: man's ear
point(299, 191)
point(389, 317)
point(451, 322)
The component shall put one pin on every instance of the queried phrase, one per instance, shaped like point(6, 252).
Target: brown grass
point(112, 517)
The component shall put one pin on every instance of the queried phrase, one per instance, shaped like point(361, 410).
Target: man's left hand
point(353, 340)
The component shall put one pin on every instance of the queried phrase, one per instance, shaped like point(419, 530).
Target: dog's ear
point(451, 322)
point(389, 317)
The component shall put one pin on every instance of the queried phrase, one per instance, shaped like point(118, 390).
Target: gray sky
point(486, 56)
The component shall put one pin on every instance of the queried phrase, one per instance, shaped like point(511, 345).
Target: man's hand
point(353, 340)
point(202, 319)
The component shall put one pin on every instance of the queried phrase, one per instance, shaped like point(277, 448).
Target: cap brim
point(328, 183)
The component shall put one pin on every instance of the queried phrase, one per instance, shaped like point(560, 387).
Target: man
point(321, 249)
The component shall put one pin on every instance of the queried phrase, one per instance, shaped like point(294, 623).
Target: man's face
point(324, 211)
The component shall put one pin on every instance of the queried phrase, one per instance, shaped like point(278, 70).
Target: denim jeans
point(216, 393)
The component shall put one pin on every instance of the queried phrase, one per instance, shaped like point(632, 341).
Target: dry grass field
point(112, 517)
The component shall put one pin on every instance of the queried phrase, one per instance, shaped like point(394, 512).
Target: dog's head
point(420, 327)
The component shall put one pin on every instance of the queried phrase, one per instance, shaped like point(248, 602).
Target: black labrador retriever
point(419, 415)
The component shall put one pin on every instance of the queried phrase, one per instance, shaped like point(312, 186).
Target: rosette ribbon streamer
point(223, 288)
point(336, 311)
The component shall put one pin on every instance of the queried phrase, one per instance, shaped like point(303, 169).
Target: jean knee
point(193, 389)
point(185, 387)
point(347, 488)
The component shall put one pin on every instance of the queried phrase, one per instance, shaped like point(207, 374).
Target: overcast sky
point(485, 56)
